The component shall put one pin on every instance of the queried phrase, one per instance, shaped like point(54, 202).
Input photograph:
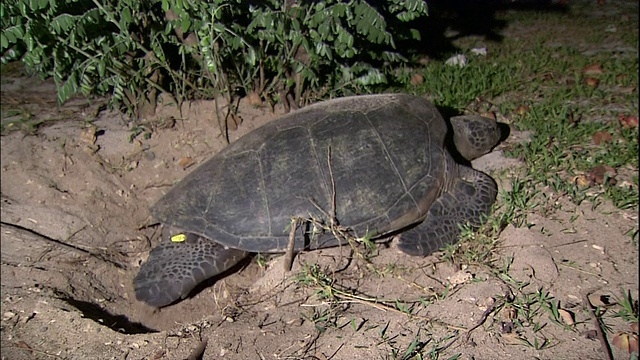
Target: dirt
point(75, 228)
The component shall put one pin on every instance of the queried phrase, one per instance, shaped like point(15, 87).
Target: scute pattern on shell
point(376, 164)
point(388, 161)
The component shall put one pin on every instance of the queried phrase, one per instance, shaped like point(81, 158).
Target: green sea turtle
point(395, 167)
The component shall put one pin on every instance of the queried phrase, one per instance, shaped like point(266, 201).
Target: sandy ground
point(75, 228)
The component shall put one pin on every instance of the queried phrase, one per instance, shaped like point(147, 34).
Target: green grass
point(629, 309)
point(18, 119)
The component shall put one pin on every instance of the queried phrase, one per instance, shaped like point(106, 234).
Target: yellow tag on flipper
point(179, 238)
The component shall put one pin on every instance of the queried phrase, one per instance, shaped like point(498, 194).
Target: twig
point(385, 307)
point(576, 269)
point(311, 342)
point(340, 232)
point(380, 304)
point(288, 258)
point(334, 220)
point(45, 237)
point(199, 350)
point(599, 331)
point(483, 318)
point(24, 346)
point(455, 338)
point(48, 239)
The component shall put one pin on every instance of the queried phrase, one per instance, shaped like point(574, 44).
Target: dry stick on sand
point(381, 304)
point(288, 260)
point(599, 331)
point(484, 317)
point(45, 238)
point(199, 350)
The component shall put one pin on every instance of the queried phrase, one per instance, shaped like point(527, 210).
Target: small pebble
point(8, 315)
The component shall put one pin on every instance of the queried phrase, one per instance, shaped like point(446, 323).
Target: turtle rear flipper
point(468, 201)
point(173, 269)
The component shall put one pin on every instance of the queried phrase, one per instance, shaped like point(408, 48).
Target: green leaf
point(62, 23)
point(29, 42)
point(339, 10)
point(13, 34)
point(251, 56)
point(125, 18)
point(415, 34)
point(36, 5)
point(102, 67)
point(237, 41)
point(70, 88)
point(186, 25)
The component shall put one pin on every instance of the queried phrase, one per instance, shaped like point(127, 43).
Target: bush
point(289, 51)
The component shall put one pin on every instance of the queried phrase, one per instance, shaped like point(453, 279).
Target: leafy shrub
point(289, 51)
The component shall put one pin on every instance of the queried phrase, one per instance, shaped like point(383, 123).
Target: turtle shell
point(376, 162)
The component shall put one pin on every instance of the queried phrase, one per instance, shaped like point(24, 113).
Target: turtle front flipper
point(173, 269)
point(469, 199)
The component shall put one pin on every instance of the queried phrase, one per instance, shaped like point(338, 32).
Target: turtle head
point(474, 135)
